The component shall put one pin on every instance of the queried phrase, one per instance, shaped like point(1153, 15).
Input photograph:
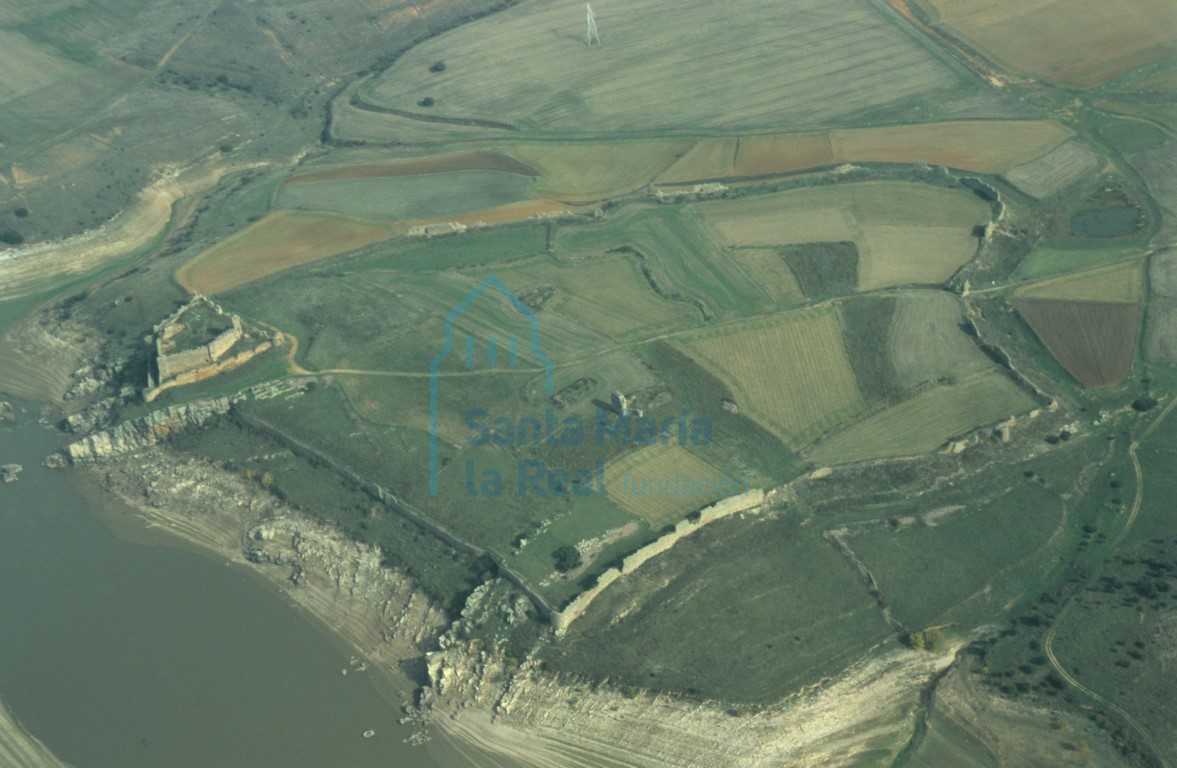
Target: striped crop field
point(680, 256)
point(1122, 282)
point(1083, 42)
point(280, 241)
point(927, 342)
point(923, 423)
point(662, 483)
point(1094, 340)
point(596, 170)
point(608, 295)
point(906, 233)
point(985, 146)
point(478, 160)
point(789, 371)
point(809, 63)
point(406, 197)
point(1055, 171)
point(771, 272)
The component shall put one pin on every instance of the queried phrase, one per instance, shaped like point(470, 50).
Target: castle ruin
point(192, 344)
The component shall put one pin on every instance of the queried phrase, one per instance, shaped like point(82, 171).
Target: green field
point(927, 341)
point(1120, 282)
point(777, 626)
point(771, 273)
point(682, 259)
point(424, 196)
point(898, 242)
point(925, 421)
point(789, 371)
point(471, 249)
point(933, 573)
point(609, 295)
point(647, 75)
point(602, 531)
point(823, 270)
point(1055, 171)
point(1050, 259)
point(866, 329)
point(659, 483)
point(905, 233)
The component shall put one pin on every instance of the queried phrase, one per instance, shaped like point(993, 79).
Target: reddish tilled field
point(1094, 340)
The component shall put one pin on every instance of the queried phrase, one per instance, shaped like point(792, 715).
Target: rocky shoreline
point(343, 583)
point(476, 695)
point(21, 749)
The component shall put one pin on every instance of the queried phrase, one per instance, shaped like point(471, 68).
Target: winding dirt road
point(1048, 645)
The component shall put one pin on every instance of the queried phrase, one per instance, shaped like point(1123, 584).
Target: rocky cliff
point(378, 610)
point(134, 435)
point(867, 713)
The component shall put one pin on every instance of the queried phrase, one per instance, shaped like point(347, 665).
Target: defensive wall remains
point(561, 620)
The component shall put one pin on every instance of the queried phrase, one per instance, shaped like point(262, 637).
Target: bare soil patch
point(1094, 340)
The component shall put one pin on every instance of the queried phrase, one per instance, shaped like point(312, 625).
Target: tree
point(437, 66)
point(425, 102)
point(11, 236)
point(567, 558)
point(931, 640)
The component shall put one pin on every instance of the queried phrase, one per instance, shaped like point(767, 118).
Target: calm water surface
point(119, 653)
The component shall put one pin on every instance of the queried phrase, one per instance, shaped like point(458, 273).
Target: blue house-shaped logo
point(490, 282)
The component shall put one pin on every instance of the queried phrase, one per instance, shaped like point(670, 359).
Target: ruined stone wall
point(729, 506)
point(225, 341)
point(203, 372)
point(182, 362)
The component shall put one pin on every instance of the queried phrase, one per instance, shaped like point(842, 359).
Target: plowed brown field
point(1094, 340)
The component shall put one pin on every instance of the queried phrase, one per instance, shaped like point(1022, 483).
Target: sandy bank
point(25, 270)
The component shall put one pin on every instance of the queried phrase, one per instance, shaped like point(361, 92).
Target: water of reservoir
point(120, 653)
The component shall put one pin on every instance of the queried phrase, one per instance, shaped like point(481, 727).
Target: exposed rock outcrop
point(7, 414)
point(344, 580)
point(134, 435)
point(379, 610)
point(9, 473)
point(868, 710)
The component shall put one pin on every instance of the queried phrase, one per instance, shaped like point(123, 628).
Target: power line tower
point(590, 34)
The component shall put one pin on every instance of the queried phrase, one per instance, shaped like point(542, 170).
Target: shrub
point(20, 213)
point(1143, 404)
point(11, 236)
point(437, 66)
point(567, 557)
point(425, 102)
